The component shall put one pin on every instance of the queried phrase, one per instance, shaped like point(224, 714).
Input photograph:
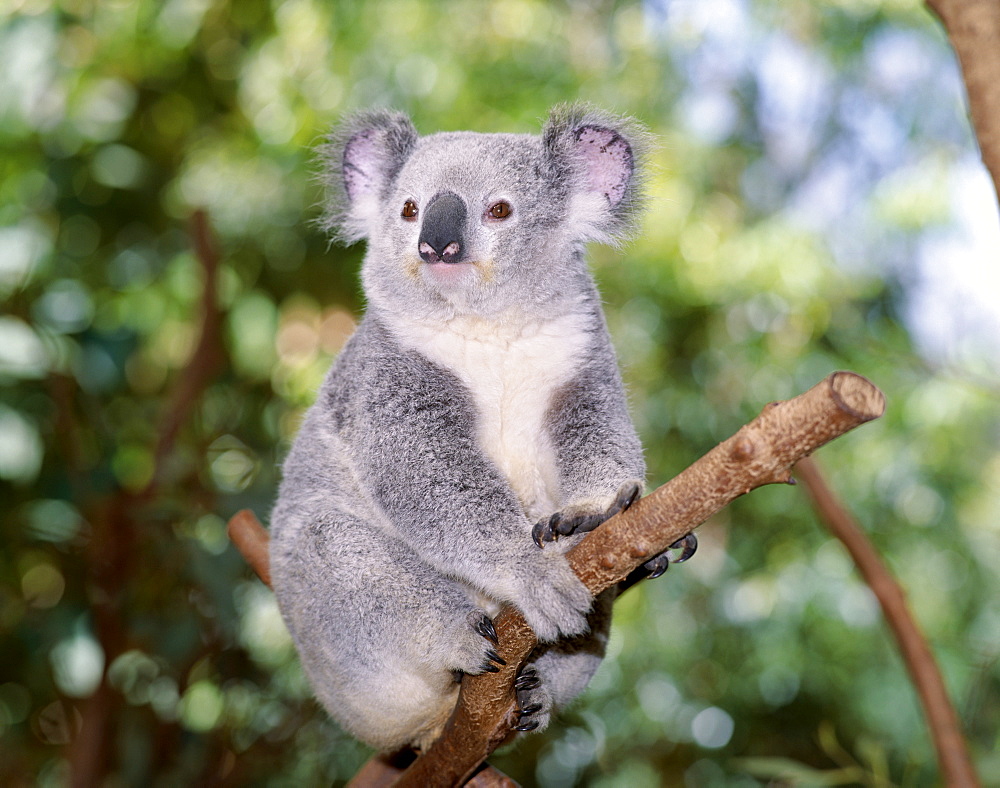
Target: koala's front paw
point(474, 653)
point(554, 601)
point(534, 702)
point(581, 518)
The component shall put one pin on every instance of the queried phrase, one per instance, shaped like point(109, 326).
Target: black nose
point(441, 234)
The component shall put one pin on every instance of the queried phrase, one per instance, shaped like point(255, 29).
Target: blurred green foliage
point(805, 161)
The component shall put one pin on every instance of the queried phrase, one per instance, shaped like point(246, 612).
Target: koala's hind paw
point(581, 518)
point(688, 545)
point(655, 567)
point(534, 704)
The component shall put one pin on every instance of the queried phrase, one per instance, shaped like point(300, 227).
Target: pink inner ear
point(358, 155)
point(608, 161)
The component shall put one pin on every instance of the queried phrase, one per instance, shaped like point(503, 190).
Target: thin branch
point(209, 355)
point(973, 27)
point(956, 767)
point(250, 538)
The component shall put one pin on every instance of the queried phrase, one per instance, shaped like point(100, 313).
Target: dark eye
point(500, 210)
point(409, 210)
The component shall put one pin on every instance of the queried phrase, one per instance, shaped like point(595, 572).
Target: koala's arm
point(589, 425)
point(412, 432)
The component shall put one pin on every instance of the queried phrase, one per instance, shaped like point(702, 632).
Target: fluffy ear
point(600, 157)
point(361, 159)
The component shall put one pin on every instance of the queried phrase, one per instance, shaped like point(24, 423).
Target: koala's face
point(480, 224)
point(471, 222)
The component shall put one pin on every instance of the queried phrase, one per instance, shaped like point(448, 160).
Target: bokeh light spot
point(712, 728)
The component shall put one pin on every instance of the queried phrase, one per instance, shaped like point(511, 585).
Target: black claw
point(489, 667)
point(631, 498)
point(661, 563)
point(656, 566)
point(485, 628)
point(492, 655)
point(689, 544)
point(526, 726)
point(538, 533)
point(527, 682)
point(530, 709)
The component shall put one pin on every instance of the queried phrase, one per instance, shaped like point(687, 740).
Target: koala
point(470, 430)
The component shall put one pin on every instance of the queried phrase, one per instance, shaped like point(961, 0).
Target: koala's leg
point(380, 634)
point(558, 672)
point(600, 457)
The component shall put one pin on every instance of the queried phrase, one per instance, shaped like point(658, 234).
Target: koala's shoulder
point(374, 365)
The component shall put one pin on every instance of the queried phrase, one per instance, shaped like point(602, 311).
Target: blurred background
point(817, 203)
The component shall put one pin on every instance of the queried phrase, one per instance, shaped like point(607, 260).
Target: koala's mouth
point(440, 264)
point(450, 274)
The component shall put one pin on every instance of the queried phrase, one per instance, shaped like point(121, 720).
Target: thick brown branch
point(974, 30)
point(381, 771)
point(762, 452)
point(953, 756)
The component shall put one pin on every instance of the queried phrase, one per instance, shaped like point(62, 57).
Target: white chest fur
point(512, 374)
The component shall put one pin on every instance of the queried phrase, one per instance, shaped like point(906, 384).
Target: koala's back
point(343, 578)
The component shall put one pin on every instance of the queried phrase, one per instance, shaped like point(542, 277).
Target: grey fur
point(475, 398)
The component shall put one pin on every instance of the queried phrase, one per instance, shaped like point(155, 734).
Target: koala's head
point(467, 223)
